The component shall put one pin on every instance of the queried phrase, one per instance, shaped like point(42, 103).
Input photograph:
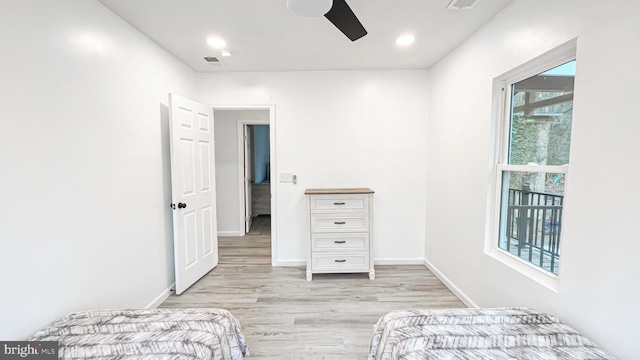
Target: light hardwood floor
point(283, 316)
point(251, 249)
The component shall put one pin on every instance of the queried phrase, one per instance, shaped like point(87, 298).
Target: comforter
point(147, 334)
point(510, 333)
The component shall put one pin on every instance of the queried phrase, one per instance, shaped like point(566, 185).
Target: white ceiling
point(265, 36)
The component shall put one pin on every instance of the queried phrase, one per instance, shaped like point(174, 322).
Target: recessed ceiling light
point(226, 53)
point(216, 42)
point(405, 40)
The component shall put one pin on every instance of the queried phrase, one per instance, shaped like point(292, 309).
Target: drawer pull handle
point(340, 261)
point(339, 222)
point(339, 203)
point(340, 241)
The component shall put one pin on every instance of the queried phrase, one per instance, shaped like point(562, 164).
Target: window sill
point(542, 277)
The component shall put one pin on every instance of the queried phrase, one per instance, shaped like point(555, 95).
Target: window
point(532, 160)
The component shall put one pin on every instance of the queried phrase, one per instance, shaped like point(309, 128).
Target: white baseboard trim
point(230, 233)
point(164, 295)
point(454, 289)
point(400, 261)
point(291, 263)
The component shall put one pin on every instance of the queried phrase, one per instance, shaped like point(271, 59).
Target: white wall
point(343, 129)
point(228, 196)
point(85, 220)
point(599, 289)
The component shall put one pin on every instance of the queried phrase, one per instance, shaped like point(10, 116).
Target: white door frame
point(272, 159)
point(241, 157)
point(247, 141)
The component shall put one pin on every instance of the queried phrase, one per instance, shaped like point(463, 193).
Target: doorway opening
point(244, 162)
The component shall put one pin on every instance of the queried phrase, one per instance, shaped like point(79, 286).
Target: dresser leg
point(309, 276)
point(372, 275)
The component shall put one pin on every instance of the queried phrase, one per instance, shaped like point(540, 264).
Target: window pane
point(541, 112)
point(531, 217)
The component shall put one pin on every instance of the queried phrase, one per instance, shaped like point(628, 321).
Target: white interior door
point(194, 191)
point(248, 214)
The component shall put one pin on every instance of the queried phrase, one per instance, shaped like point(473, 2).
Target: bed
point(147, 334)
point(509, 333)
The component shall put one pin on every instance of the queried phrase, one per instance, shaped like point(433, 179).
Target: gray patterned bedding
point(510, 333)
point(147, 334)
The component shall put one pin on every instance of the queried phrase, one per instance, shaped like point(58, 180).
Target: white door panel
point(190, 238)
point(193, 188)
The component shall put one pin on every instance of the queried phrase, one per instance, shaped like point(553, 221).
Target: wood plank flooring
point(254, 248)
point(283, 316)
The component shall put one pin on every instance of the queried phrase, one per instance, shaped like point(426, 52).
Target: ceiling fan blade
point(345, 20)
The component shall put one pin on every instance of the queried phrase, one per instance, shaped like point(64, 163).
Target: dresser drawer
point(339, 203)
point(337, 262)
point(343, 223)
point(340, 242)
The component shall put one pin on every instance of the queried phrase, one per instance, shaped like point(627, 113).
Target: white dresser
point(340, 231)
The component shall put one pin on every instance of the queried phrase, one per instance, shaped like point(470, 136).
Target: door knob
point(182, 205)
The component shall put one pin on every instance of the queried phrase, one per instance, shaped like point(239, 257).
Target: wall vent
point(213, 60)
point(462, 4)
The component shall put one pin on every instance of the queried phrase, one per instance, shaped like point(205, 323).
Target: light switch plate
point(286, 177)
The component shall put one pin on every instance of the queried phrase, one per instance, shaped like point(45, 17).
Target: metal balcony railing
point(533, 229)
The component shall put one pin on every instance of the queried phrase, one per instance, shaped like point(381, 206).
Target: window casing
point(533, 108)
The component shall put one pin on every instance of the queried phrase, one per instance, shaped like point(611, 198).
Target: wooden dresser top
point(338, 191)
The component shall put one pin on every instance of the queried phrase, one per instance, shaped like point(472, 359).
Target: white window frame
point(501, 135)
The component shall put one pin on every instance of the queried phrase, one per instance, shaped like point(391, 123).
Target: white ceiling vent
point(462, 4)
point(212, 60)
